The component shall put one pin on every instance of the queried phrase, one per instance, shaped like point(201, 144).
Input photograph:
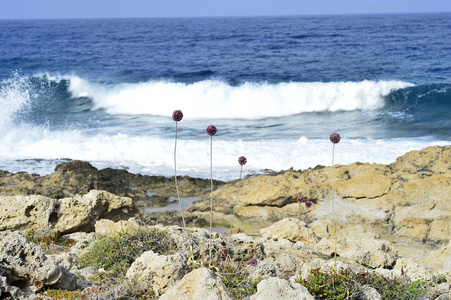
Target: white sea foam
point(215, 99)
point(149, 155)
point(14, 95)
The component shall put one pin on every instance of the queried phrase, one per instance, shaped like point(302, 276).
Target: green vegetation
point(116, 252)
point(234, 275)
point(62, 294)
point(347, 285)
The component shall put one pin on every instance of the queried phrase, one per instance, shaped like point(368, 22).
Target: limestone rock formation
point(288, 229)
point(152, 271)
point(27, 212)
point(276, 288)
point(105, 226)
point(199, 284)
point(406, 201)
point(79, 177)
point(80, 213)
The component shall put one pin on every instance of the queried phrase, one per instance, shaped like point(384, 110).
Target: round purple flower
point(308, 204)
point(177, 115)
point(242, 160)
point(300, 199)
point(211, 130)
point(334, 138)
point(253, 261)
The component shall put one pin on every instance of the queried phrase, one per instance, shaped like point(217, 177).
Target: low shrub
point(346, 285)
point(116, 252)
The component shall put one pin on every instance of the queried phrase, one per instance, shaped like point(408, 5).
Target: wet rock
point(79, 177)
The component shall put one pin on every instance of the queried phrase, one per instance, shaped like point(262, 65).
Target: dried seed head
point(242, 160)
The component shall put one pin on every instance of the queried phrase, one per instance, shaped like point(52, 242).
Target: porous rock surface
point(24, 269)
point(79, 177)
point(66, 215)
point(152, 271)
point(199, 284)
point(276, 288)
point(406, 203)
point(411, 194)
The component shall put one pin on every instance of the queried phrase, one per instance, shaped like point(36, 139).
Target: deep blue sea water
point(275, 87)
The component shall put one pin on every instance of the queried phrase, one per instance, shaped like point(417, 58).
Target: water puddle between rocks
point(174, 205)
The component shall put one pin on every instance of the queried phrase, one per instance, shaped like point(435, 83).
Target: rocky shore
point(392, 219)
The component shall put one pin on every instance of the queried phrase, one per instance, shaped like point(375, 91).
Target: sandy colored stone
point(152, 271)
point(67, 215)
point(412, 269)
point(288, 229)
point(105, 226)
point(440, 258)
point(277, 288)
point(199, 284)
point(26, 213)
point(440, 229)
point(80, 213)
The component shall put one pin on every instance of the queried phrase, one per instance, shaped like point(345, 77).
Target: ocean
point(103, 91)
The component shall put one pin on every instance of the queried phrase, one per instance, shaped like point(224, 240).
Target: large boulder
point(80, 213)
point(67, 215)
point(27, 269)
point(199, 284)
point(27, 212)
point(158, 273)
point(279, 289)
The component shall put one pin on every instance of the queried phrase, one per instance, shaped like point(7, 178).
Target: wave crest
point(215, 99)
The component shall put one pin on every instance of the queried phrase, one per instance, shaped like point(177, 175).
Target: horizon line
point(228, 16)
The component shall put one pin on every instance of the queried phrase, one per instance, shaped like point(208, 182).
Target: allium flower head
point(308, 204)
point(300, 199)
point(177, 115)
point(211, 130)
point(242, 160)
point(334, 138)
point(253, 261)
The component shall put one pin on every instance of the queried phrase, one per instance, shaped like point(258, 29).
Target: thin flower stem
point(333, 210)
point(297, 247)
point(308, 237)
point(211, 191)
point(177, 187)
point(236, 202)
